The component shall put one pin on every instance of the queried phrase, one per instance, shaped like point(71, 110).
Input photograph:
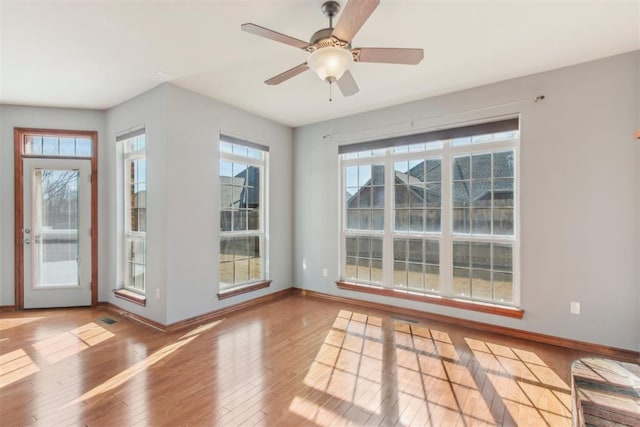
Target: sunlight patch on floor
point(346, 371)
point(413, 374)
point(407, 375)
point(432, 385)
point(133, 370)
point(531, 391)
point(14, 366)
point(8, 323)
point(202, 328)
point(142, 365)
point(69, 343)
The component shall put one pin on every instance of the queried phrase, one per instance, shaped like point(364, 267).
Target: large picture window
point(243, 259)
point(135, 211)
point(434, 213)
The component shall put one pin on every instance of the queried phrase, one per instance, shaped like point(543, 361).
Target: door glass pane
point(55, 238)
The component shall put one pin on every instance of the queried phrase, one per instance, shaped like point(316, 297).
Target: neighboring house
point(411, 191)
point(241, 191)
point(240, 203)
point(409, 186)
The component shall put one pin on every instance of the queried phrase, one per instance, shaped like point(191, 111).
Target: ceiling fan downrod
point(330, 9)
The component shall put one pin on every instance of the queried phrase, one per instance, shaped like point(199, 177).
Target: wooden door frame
point(18, 138)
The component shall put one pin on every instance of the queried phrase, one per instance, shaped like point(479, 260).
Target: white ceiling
point(98, 54)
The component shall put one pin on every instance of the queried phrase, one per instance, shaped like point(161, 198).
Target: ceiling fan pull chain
point(330, 97)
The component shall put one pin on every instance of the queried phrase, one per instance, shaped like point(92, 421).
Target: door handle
point(26, 240)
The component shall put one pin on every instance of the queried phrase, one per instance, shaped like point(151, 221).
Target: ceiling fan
point(330, 51)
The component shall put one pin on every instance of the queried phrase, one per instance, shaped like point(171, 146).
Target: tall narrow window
point(135, 211)
point(243, 260)
point(483, 225)
point(364, 192)
point(417, 215)
point(434, 213)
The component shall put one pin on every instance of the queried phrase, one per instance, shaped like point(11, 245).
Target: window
point(57, 146)
point(135, 211)
point(434, 214)
point(243, 259)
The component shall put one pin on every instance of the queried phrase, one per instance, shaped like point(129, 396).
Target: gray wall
point(577, 157)
point(46, 118)
point(192, 193)
point(579, 195)
point(150, 110)
point(183, 199)
point(183, 196)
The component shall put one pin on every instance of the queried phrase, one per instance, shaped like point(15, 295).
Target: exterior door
point(57, 232)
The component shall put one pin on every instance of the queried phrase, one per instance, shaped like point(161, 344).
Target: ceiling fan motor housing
point(323, 35)
point(323, 38)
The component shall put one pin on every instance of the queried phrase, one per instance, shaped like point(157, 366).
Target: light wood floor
point(295, 361)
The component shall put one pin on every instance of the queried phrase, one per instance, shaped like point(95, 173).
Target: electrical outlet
point(574, 307)
point(325, 273)
point(158, 294)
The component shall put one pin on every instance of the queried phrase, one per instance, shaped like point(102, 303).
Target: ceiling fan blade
point(353, 17)
point(276, 80)
point(389, 55)
point(347, 84)
point(273, 35)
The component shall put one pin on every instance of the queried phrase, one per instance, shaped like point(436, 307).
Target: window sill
point(244, 289)
point(449, 302)
point(130, 296)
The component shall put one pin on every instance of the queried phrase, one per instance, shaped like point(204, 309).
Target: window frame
point(128, 157)
point(446, 237)
point(19, 136)
point(227, 290)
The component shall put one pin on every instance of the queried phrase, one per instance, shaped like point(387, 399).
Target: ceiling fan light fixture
point(330, 63)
